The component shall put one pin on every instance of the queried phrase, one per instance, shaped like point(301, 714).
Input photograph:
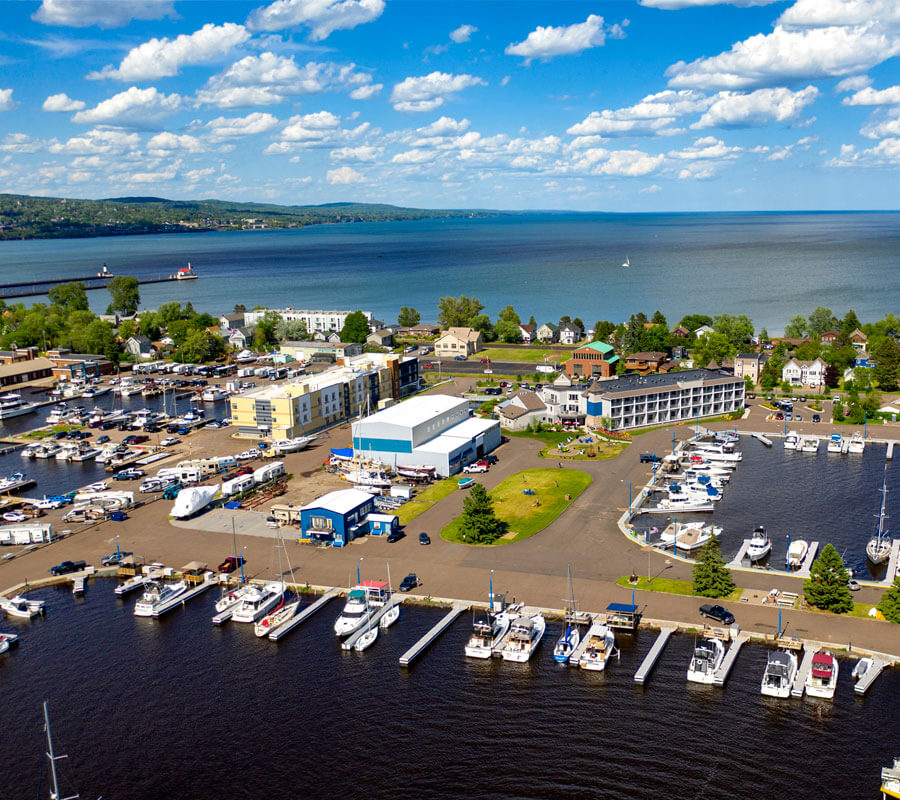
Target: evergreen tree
point(711, 577)
point(826, 586)
point(889, 605)
point(658, 318)
point(532, 321)
point(480, 524)
point(887, 364)
point(603, 330)
point(356, 328)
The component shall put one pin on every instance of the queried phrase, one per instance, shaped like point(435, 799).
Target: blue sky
point(608, 106)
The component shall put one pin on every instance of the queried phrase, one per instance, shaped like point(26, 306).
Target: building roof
point(320, 345)
point(531, 401)
point(469, 428)
point(141, 340)
point(20, 367)
point(570, 326)
point(511, 411)
point(550, 325)
point(642, 384)
point(341, 501)
point(601, 347)
point(650, 355)
point(830, 334)
point(417, 410)
point(233, 317)
point(382, 333)
point(749, 356)
point(528, 328)
point(466, 334)
point(858, 334)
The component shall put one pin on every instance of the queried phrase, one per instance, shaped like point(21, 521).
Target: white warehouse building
point(431, 430)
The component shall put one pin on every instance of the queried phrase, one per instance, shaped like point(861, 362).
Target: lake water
point(768, 266)
point(176, 708)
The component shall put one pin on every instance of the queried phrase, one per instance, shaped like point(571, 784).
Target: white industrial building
point(432, 430)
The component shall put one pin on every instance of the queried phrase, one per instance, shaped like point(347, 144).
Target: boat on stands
point(368, 477)
point(600, 646)
point(291, 445)
point(760, 545)
point(363, 602)
point(525, 635)
point(12, 405)
point(416, 471)
point(709, 653)
point(878, 550)
point(156, 595)
point(835, 443)
point(781, 669)
point(193, 499)
point(18, 606)
point(823, 676)
point(796, 553)
point(857, 444)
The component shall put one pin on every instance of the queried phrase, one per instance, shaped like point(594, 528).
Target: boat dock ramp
point(721, 674)
point(803, 673)
point(304, 615)
point(446, 621)
point(868, 678)
point(651, 658)
point(352, 639)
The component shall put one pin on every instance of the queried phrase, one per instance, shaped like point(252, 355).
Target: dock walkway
point(352, 639)
point(189, 595)
point(811, 551)
point(892, 563)
point(304, 615)
point(865, 682)
point(802, 674)
point(650, 659)
point(575, 658)
point(730, 657)
point(737, 561)
point(446, 621)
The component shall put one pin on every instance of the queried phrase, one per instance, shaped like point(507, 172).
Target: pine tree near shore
point(826, 586)
point(711, 577)
point(479, 523)
point(889, 605)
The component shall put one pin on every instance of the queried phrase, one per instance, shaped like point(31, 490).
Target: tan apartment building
point(458, 342)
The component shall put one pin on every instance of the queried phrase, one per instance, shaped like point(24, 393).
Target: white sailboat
point(878, 550)
point(626, 263)
point(287, 606)
point(571, 636)
point(392, 614)
point(368, 638)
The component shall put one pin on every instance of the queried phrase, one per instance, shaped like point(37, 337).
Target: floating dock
point(305, 614)
point(575, 658)
point(446, 621)
point(764, 439)
point(692, 510)
point(892, 563)
point(188, 595)
point(353, 638)
point(650, 659)
point(890, 451)
point(730, 657)
point(865, 682)
point(737, 561)
point(802, 674)
point(811, 551)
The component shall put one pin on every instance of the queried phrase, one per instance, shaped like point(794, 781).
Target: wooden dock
point(183, 598)
point(305, 614)
point(578, 652)
point(650, 659)
point(811, 551)
point(892, 563)
point(799, 686)
point(730, 657)
point(865, 682)
point(353, 638)
point(446, 621)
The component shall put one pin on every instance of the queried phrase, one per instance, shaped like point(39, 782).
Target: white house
point(458, 342)
point(804, 373)
point(569, 333)
point(523, 408)
point(703, 330)
point(565, 399)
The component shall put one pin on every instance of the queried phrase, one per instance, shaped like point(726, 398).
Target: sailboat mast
point(54, 786)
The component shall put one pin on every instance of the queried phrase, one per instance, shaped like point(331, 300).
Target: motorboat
point(792, 441)
point(862, 667)
point(525, 634)
point(727, 436)
point(684, 502)
point(368, 477)
point(487, 633)
point(193, 499)
point(7, 639)
point(133, 583)
point(363, 602)
point(823, 676)
point(416, 471)
point(258, 602)
point(66, 451)
point(232, 599)
point(796, 553)
point(708, 657)
point(857, 444)
point(12, 405)
point(809, 444)
point(835, 443)
point(95, 391)
point(291, 445)
point(890, 780)
point(781, 669)
point(30, 451)
point(688, 536)
point(14, 481)
point(213, 394)
point(599, 647)
point(878, 550)
point(760, 546)
point(85, 453)
point(19, 606)
point(283, 612)
point(157, 595)
point(47, 450)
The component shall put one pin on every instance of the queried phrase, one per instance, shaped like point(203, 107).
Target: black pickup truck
point(65, 567)
point(650, 458)
point(717, 613)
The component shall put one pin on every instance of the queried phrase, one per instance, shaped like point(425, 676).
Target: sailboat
point(572, 635)
point(627, 262)
point(286, 607)
point(368, 638)
point(878, 550)
point(393, 613)
point(53, 758)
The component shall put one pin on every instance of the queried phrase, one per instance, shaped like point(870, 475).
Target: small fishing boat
point(19, 606)
point(466, 483)
point(134, 582)
point(862, 667)
point(688, 536)
point(524, 636)
point(797, 553)
point(835, 443)
point(809, 444)
point(857, 444)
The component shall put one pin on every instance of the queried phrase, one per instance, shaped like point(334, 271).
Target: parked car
point(803, 398)
point(476, 468)
point(103, 439)
point(718, 613)
point(779, 416)
point(169, 441)
point(231, 563)
point(798, 418)
point(853, 585)
point(459, 358)
point(130, 474)
point(60, 434)
point(243, 471)
point(410, 582)
point(114, 558)
point(49, 503)
point(135, 439)
point(66, 567)
point(491, 458)
point(394, 536)
point(424, 538)
point(816, 418)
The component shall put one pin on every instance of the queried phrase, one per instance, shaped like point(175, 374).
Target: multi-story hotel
point(316, 321)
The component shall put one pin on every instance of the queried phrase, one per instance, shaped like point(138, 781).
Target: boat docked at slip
point(7, 639)
point(281, 613)
point(12, 405)
point(809, 444)
point(47, 450)
point(835, 443)
point(709, 653)
point(781, 669)
point(525, 634)
point(599, 647)
point(133, 583)
point(792, 441)
point(156, 595)
point(213, 394)
point(760, 545)
point(363, 602)
point(878, 550)
point(19, 606)
point(857, 444)
point(15, 481)
point(230, 600)
point(823, 676)
point(571, 635)
point(95, 391)
point(688, 536)
point(797, 553)
point(258, 602)
point(487, 632)
point(722, 454)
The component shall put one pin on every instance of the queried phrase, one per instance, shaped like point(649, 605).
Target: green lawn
point(525, 355)
point(553, 440)
point(670, 586)
point(528, 514)
point(426, 499)
point(43, 433)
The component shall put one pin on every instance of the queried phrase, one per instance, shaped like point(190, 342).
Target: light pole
point(242, 563)
point(358, 581)
point(668, 565)
point(622, 480)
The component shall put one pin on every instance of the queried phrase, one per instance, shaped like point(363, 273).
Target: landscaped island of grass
point(526, 514)
point(426, 499)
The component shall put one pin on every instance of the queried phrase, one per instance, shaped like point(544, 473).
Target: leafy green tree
point(693, 321)
point(408, 317)
point(126, 295)
point(659, 318)
point(291, 330)
point(356, 328)
point(99, 337)
point(748, 383)
point(508, 331)
point(479, 522)
point(889, 605)
point(482, 322)
point(713, 347)
point(201, 345)
point(71, 296)
point(763, 335)
point(509, 314)
point(711, 577)
point(826, 586)
point(265, 334)
point(457, 311)
point(887, 365)
point(127, 329)
point(840, 357)
point(796, 327)
point(820, 321)
point(737, 329)
point(565, 319)
point(603, 330)
point(808, 351)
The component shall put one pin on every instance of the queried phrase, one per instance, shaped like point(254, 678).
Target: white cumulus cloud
point(133, 108)
point(305, 127)
point(825, 13)
point(6, 101)
point(630, 163)
point(673, 5)
point(62, 102)
point(429, 92)
point(874, 97)
point(223, 128)
point(165, 142)
point(463, 33)
point(102, 13)
point(323, 17)
point(163, 58)
point(853, 84)
point(366, 92)
point(98, 141)
point(886, 128)
point(547, 42)
point(707, 147)
point(738, 109)
point(444, 127)
point(364, 152)
point(344, 175)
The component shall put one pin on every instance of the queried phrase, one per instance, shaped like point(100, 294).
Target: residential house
point(859, 340)
point(422, 330)
point(548, 332)
point(565, 399)
point(645, 362)
point(596, 359)
point(528, 333)
point(570, 333)
point(523, 408)
point(230, 322)
point(703, 330)
point(749, 365)
point(681, 331)
point(804, 373)
point(139, 347)
point(383, 337)
point(240, 338)
point(829, 337)
point(458, 342)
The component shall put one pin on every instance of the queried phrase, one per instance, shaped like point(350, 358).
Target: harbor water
point(176, 708)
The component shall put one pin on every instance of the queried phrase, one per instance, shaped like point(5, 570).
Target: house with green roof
point(593, 360)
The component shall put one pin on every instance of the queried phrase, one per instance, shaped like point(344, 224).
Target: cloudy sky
point(609, 106)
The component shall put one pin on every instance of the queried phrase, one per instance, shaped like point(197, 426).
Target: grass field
point(528, 514)
point(554, 439)
point(426, 499)
point(670, 586)
point(526, 356)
